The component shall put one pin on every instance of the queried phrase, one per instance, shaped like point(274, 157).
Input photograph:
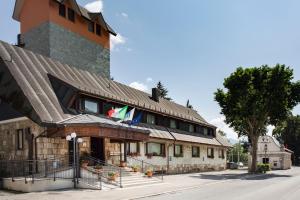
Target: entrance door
point(97, 148)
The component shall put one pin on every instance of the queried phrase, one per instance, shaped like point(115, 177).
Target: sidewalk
point(172, 183)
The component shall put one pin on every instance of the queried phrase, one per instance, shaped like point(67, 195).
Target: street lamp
point(73, 137)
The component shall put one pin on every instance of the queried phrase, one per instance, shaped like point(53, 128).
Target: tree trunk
point(254, 141)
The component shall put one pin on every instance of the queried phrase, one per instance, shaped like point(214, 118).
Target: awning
point(86, 125)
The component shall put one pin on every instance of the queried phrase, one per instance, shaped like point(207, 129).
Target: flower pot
point(149, 174)
point(112, 178)
point(98, 171)
point(84, 164)
point(123, 164)
point(135, 170)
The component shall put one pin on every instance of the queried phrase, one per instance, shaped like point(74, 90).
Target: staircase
point(130, 178)
point(126, 177)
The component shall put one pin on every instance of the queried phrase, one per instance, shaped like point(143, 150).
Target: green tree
point(288, 132)
point(163, 91)
point(237, 154)
point(255, 98)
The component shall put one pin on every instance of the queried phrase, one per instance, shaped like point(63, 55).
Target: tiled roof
point(31, 73)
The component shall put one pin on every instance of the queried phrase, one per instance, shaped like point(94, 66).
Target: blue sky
point(192, 45)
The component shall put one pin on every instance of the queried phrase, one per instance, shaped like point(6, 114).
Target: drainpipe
point(168, 161)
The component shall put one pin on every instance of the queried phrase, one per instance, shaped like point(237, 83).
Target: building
point(270, 151)
point(65, 31)
point(44, 98)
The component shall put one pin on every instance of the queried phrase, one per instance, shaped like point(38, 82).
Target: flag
point(118, 112)
point(129, 115)
point(137, 119)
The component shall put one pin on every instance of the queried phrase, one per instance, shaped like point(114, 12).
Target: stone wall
point(56, 42)
point(8, 137)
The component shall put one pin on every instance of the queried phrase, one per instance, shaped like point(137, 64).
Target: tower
point(65, 31)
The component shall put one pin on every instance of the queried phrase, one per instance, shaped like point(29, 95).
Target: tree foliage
point(163, 91)
point(257, 97)
point(288, 132)
point(237, 154)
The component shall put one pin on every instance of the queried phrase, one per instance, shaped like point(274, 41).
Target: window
point(91, 106)
point(265, 160)
point(20, 139)
point(71, 15)
point(62, 10)
point(133, 148)
point(221, 153)
point(205, 131)
point(91, 27)
point(210, 152)
point(195, 151)
point(183, 126)
point(178, 150)
point(155, 149)
point(191, 128)
point(150, 119)
point(173, 123)
point(98, 29)
point(199, 129)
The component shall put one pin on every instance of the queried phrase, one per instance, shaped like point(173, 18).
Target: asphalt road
point(280, 185)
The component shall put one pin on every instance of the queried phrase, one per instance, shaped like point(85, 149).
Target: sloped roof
point(223, 140)
point(79, 10)
point(187, 137)
point(30, 74)
point(87, 119)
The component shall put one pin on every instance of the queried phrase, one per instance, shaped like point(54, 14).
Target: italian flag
point(118, 112)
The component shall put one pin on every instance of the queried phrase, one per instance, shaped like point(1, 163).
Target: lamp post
point(73, 137)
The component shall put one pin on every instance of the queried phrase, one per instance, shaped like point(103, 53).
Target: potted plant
point(98, 168)
point(149, 155)
point(135, 168)
point(83, 160)
point(112, 176)
point(123, 164)
point(149, 173)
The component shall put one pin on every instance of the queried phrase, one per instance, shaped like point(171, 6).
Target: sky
point(192, 45)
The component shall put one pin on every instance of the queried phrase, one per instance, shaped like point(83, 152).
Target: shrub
point(263, 168)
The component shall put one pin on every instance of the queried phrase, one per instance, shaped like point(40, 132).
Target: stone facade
point(50, 148)
point(56, 42)
point(8, 138)
point(172, 164)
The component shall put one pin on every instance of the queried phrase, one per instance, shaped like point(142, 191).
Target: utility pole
point(238, 151)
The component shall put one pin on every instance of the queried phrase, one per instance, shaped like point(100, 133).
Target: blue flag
point(137, 119)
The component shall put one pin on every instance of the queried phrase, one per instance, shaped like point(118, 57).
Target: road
point(280, 185)
point(223, 185)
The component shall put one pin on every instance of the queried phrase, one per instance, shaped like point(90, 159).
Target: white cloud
point(139, 86)
point(220, 123)
point(116, 40)
point(149, 79)
point(95, 6)
point(124, 15)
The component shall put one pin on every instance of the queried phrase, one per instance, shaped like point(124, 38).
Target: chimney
point(155, 94)
point(20, 42)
